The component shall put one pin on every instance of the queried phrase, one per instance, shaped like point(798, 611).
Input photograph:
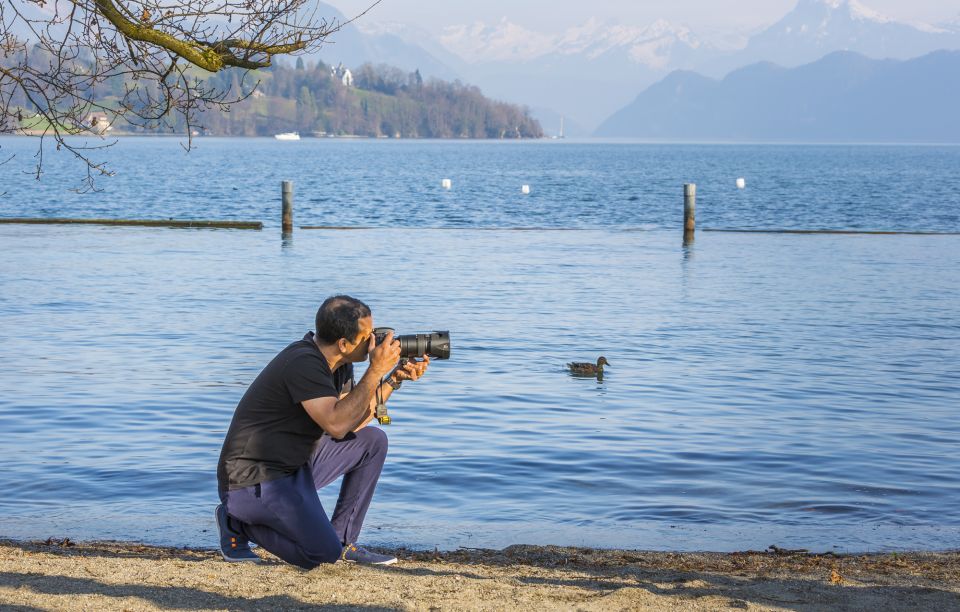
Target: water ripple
point(760, 386)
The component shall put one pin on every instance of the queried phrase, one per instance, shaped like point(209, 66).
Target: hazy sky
point(556, 15)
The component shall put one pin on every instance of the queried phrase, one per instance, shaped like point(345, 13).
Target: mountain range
point(843, 97)
point(590, 71)
point(817, 27)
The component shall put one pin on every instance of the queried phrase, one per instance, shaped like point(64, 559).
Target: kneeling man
point(300, 426)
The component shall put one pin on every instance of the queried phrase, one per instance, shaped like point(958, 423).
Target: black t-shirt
point(271, 435)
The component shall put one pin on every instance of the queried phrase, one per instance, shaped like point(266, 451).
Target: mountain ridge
point(843, 97)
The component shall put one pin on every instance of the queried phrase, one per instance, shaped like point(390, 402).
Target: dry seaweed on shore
point(938, 566)
point(943, 566)
point(66, 546)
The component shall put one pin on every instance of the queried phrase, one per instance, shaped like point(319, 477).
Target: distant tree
point(306, 109)
point(416, 81)
point(67, 65)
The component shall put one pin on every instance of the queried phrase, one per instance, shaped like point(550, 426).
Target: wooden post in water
point(287, 190)
point(689, 210)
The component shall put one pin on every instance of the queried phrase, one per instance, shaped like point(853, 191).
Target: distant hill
point(382, 101)
point(318, 100)
point(844, 97)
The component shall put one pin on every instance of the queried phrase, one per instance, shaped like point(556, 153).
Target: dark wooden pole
point(287, 191)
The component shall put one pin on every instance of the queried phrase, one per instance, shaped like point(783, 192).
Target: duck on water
point(579, 368)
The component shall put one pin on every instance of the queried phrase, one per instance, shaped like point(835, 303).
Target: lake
point(797, 390)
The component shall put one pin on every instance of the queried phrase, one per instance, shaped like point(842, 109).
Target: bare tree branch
point(79, 67)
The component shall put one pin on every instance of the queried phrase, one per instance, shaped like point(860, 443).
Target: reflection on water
point(802, 388)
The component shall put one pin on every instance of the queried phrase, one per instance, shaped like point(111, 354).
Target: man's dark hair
point(339, 317)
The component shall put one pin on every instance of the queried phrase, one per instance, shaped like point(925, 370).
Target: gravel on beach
point(65, 575)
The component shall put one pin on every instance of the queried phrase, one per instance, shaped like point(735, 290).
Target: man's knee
point(374, 438)
point(321, 556)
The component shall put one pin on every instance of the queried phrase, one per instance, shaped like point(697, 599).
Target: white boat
point(287, 136)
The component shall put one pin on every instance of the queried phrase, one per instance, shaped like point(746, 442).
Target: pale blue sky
point(556, 15)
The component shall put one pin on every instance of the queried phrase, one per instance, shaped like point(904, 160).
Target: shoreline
point(66, 575)
point(568, 139)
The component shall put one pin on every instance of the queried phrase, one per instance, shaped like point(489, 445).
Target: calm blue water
point(798, 390)
point(573, 185)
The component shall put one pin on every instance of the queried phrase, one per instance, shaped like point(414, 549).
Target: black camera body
point(435, 344)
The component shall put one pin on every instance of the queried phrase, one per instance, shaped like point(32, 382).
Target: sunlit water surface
point(798, 390)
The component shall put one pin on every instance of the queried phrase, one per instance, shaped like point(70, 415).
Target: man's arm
point(385, 392)
point(338, 417)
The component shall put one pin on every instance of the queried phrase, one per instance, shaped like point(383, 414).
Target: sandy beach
point(63, 575)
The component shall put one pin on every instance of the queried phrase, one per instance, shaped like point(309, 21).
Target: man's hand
point(412, 370)
point(383, 356)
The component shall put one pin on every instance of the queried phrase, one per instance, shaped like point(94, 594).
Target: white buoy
point(525, 189)
point(446, 183)
point(741, 183)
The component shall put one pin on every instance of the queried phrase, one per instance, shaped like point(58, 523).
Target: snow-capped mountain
point(810, 31)
point(504, 41)
point(952, 25)
point(590, 70)
point(817, 27)
point(585, 72)
point(652, 45)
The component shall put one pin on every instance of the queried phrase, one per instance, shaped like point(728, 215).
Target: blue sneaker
point(233, 545)
point(358, 554)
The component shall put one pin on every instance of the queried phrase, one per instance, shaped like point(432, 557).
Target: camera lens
point(435, 344)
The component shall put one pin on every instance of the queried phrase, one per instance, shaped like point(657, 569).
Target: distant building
point(342, 74)
point(98, 123)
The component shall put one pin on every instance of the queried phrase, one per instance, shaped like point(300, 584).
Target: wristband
point(394, 384)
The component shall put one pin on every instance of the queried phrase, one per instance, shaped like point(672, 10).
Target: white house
point(98, 123)
point(343, 74)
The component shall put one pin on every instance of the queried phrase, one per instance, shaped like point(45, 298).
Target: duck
point(588, 369)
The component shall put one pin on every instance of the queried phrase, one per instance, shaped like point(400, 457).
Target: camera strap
point(381, 410)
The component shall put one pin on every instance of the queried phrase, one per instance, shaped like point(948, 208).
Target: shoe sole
point(390, 562)
point(226, 558)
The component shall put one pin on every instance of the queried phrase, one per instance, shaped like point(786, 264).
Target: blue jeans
point(285, 516)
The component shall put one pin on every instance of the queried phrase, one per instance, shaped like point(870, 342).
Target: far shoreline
point(582, 140)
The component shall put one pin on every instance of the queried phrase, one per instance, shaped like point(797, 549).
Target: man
point(300, 426)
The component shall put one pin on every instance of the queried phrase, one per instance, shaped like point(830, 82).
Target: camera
point(435, 344)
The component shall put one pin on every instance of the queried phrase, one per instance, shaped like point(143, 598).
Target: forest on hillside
point(318, 100)
point(382, 101)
